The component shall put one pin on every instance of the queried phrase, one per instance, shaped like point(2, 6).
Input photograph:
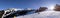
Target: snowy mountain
point(15, 11)
point(49, 13)
point(45, 14)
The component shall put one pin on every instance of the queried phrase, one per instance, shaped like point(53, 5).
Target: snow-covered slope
point(45, 14)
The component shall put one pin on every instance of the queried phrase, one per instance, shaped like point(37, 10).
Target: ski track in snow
point(44, 14)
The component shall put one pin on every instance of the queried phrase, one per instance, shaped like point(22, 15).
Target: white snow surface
point(45, 14)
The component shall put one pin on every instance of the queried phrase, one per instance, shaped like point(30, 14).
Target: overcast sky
point(27, 3)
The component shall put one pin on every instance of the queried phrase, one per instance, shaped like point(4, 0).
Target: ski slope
point(45, 14)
